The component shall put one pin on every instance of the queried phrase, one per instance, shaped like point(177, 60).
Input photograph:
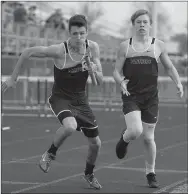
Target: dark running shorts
point(79, 109)
point(146, 103)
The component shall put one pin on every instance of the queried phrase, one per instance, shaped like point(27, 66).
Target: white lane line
point(62, 151)
point(19, 115)
point(97, 169)
point(143, 169)
point(25, 140)
point(81, 147)
point(175, 126)
point(180, 189)
point(171, 186)
point(6, 128)
point(19, 183)
point(159, 151)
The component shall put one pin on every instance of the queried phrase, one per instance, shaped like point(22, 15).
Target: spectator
point(6, 17)
point(32, 15)
point(56, 20)
point(20, 18)
point(20, 13)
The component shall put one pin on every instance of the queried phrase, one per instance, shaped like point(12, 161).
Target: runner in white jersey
point(136, 71)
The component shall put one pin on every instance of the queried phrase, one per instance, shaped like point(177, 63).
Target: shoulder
point(94, 48)
point(58, 48)
point(123, 48)
point(93, 44)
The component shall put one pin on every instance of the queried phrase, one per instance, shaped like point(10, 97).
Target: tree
point(126, 28)
point(93, 11)
point(182, 41)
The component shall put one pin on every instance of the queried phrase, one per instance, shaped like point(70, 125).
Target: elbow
point(27, 53)
point(114, 74)
point(99, 78)
point(100, 81)
point(169, 70)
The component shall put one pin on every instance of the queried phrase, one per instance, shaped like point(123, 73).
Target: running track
point(26, 138)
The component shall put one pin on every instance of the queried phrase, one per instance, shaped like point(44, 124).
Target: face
point(142, 25)
point(78, 35)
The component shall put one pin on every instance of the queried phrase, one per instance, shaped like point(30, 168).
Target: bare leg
point(150, 147)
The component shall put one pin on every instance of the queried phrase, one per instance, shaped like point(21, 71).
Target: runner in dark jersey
point(136, 71)
point(68, 99)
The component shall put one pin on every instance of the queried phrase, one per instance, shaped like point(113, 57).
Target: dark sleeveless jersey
point(71, 82)
point(141, 69)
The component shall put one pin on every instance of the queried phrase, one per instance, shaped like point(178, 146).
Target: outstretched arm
point(38, 51)
point(170, 69)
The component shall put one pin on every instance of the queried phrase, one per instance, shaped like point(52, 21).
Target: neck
point(76, 48)
point(143, 38)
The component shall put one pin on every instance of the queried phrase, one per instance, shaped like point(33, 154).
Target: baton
point(93, 78)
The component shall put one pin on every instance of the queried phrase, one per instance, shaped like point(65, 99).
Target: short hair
point(78, 20)
point(139, 13)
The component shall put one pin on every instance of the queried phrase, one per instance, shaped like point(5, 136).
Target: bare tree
point(181, 39)
point(125, 30)
point(92, 10)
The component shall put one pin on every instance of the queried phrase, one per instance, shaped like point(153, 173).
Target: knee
point(136, 131)
point(148, 134)
point(70, 126)
point(95, 142)
point(148, 139)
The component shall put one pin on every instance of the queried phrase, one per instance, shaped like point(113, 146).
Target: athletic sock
point(52, 149)
point(126, 141)
point(149, 168)
point(89, 168)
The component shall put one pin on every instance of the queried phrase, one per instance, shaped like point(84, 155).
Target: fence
point(34, 91)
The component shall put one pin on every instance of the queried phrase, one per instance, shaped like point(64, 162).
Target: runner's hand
point(92, 68)
point(124, 87)
point(9, 83)
point(180, 90)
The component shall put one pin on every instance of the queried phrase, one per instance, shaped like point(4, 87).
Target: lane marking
point(62, 151)
point(6, 128)
point(19, 183)
point(171, 186)
point(143, 169)
point(25, 140)
point(76, 148)
point(97, 169)
point(180, 189)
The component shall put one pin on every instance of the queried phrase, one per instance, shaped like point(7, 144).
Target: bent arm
point(96, 60)
point(38, 51)
point(169, 67)
point(117, 73)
